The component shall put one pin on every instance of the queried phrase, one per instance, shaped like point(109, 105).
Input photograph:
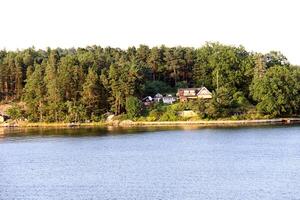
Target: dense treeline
point(84, 83)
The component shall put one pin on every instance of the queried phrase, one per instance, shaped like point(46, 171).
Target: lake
point(157, 163)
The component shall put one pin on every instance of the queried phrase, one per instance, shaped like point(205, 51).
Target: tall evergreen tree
point(35, 94)
point(92, 95)
point(54, 93)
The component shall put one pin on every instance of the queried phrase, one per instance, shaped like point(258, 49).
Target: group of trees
point(84, 83)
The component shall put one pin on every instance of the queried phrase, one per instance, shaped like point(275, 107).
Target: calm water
point(208, 163)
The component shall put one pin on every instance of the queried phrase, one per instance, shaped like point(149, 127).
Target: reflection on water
point(26, 133)
point(23, 133)
point(150, 163)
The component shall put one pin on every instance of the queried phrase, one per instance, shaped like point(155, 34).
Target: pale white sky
point(259, 25)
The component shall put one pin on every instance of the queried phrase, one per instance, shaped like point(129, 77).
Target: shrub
point(15, 112)
point(153, 115)
point(133, 107)
point(169, 115)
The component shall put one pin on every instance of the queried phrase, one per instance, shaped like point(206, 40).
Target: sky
point(258, 25)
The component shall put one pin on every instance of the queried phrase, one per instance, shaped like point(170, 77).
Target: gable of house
point(147, 99)
point(158, 96)
point(204, 93)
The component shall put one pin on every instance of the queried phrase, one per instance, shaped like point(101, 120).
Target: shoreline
point(220, 122)
point(129, 123)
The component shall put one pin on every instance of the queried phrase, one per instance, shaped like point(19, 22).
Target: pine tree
point(35, 94)
point(92, 94)
point(154, 61)
point(54, 96)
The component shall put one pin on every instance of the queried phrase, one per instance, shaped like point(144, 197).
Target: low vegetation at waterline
point(85, 84)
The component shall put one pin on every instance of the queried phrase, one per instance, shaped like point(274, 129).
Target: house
point(204, 93)
point(169, 99)
point(147, 100)
point(158, 97)
point(186, 94)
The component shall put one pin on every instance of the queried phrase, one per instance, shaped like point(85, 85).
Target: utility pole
point(217, 85)
point(217, 79)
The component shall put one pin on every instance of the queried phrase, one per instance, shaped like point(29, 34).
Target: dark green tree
point(133, 107)
point(92, 95)
point(277, 92)
point(35, 94)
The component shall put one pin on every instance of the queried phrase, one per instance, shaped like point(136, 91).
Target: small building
point(147, 101)
point(158, 97)
point(169, 99)
point(186, 94)
point(187, 113)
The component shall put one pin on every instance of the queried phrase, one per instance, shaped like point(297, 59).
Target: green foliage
point(83, 84)
point(122, 81)
point(133, 107)
point(182, 84)
point(154, 115)
point(35, 94)
point(162, 112)
point(222, 103)
point(15, 112)
point(275, 58)
point(169, 115)
point(277, 92)
point(151, 88)
point(218, 65)
point(75, 113)
point(91, 94)
point(199, 106)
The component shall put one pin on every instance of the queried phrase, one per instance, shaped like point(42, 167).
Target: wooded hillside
point(84, 83)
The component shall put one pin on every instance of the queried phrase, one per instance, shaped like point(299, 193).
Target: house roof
point(158, 95)
point(203, 91)
point(194, 91)
point(147, 98)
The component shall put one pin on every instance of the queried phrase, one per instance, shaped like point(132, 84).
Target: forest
point(84, 84)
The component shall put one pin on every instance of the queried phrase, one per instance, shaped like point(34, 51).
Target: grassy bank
point(129, 123)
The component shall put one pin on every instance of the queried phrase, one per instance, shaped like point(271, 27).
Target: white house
point(169, 99)
point(158, 97)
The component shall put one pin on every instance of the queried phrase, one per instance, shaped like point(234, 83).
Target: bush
point(15, 112)
point(133, 107)
point(153, 115)
point(169, 115)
